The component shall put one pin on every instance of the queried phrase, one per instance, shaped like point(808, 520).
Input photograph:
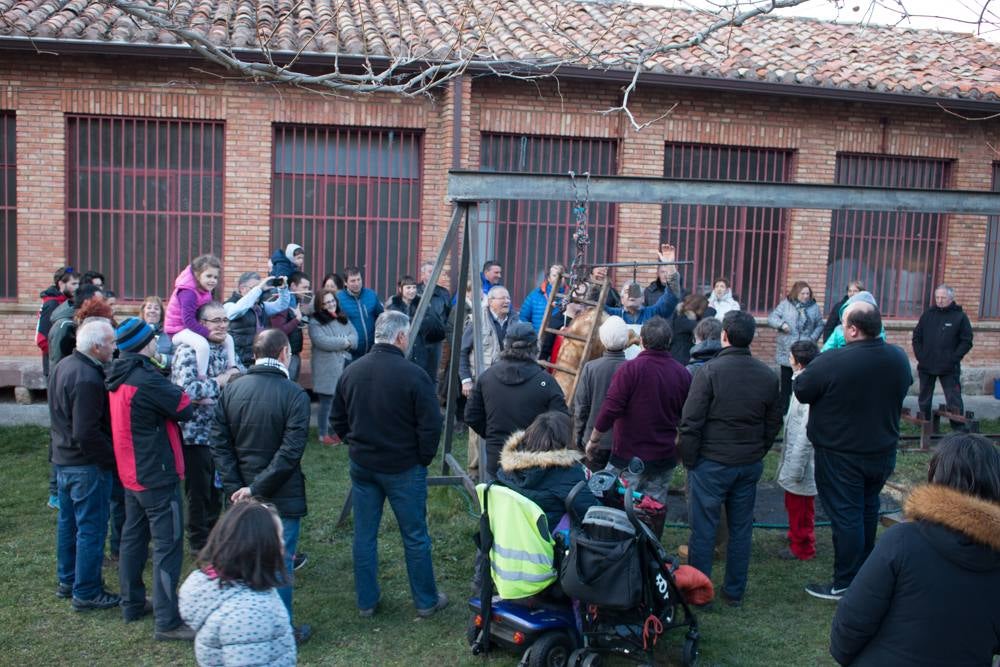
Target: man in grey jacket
point(593, 386)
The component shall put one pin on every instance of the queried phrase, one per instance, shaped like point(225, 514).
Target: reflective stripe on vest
point(522, 556)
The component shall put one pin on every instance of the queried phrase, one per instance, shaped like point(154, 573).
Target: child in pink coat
point(193, 289)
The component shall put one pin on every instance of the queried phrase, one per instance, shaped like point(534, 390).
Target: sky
point(950, 15)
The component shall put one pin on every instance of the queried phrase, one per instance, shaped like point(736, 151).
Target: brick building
point(122, 151)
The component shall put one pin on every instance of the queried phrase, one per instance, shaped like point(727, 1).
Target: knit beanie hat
point(519, 336)
point(861, 297)
point(133, 334)
point(614, 333)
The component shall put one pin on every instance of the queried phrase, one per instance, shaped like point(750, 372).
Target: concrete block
point(22, 395)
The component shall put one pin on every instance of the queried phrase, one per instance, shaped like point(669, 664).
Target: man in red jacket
point(145, 409)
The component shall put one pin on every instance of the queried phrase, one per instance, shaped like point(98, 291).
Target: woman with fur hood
point(929, 594)
point(542, 465)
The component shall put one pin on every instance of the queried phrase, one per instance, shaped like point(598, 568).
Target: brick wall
point(452, 122)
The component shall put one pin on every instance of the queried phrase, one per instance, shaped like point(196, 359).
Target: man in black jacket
point(942, 337)
point(511, 393)
point(386, 409)
point(855, 395)
point(145, 409)
point(258, 437)
point(731, 416)
point(85, 463)
point(428, 356)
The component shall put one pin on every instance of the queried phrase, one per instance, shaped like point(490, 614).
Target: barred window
point(8, 207)
point(896, 256)
point(144, 198)
point(349, 196)
point(990, 300)
point(526, 236)
point(743, 244)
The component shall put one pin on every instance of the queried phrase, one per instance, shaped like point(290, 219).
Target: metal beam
point(475, 186)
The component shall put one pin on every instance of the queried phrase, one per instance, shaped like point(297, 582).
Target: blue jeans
point(407, 494)
point(290, 527)
point(711, 486)
point(84, 505)
point(323, 413)
point(849, 486)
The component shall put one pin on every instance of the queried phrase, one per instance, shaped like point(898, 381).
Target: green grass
point(779, 624)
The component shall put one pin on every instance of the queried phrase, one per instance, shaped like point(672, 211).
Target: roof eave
point(49, 46)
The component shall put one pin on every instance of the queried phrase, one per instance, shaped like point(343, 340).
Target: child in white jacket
point(232, 601)
point(796, 472)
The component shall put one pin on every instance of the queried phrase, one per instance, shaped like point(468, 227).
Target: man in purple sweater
point(644, 404)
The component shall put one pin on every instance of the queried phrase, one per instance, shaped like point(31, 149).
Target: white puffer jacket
point(796, 472)
point(236, 625)
point(722, 305)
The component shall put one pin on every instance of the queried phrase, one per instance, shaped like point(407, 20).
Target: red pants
point(801, 525)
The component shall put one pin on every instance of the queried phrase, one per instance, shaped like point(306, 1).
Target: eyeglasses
point(216, 320)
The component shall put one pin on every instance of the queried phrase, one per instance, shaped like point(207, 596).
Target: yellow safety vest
point(522, 557)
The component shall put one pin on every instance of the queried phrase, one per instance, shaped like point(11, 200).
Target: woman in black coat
point(689, 312)
point(542, 465)
point(833, 319)
point(929, 594)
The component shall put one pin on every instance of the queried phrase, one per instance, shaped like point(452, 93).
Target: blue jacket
point(362, 311)
point(533, 307)
point(664, 307)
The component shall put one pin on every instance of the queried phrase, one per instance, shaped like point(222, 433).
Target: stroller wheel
point(689, 657)
point(552, 649)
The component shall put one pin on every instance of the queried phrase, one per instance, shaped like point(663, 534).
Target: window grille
point(896, 256)
point(990, 301)
point(528, 236)
point(746, 245)
point(8, 207)
point(349, 196)
point(144, 197)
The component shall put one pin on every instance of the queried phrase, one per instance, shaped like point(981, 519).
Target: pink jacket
point(187, 297)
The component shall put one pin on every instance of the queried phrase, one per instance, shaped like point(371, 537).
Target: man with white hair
point(942, 337)
point(386, 409)
point(595, 378)
point(84, 458)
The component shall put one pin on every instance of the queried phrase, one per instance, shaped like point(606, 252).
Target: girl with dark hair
point(332, 338)
point(797, 317)
point(542, 464)
point(928, 594)
point(232, 601)
point(332, 281)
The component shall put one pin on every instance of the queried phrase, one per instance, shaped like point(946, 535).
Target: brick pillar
point(247, 228)
point(41, 192)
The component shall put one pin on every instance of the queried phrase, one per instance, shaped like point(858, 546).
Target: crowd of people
point(162, 419)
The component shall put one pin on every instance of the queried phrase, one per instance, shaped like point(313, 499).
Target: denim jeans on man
point(711, 486)
point(849, 486)
point(84, 505)
point(407, 495)
point(157, 515)
point(290, 530)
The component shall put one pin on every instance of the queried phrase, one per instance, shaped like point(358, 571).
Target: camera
point(281, 282)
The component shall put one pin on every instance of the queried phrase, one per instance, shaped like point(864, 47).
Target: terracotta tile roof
point(792, 51)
